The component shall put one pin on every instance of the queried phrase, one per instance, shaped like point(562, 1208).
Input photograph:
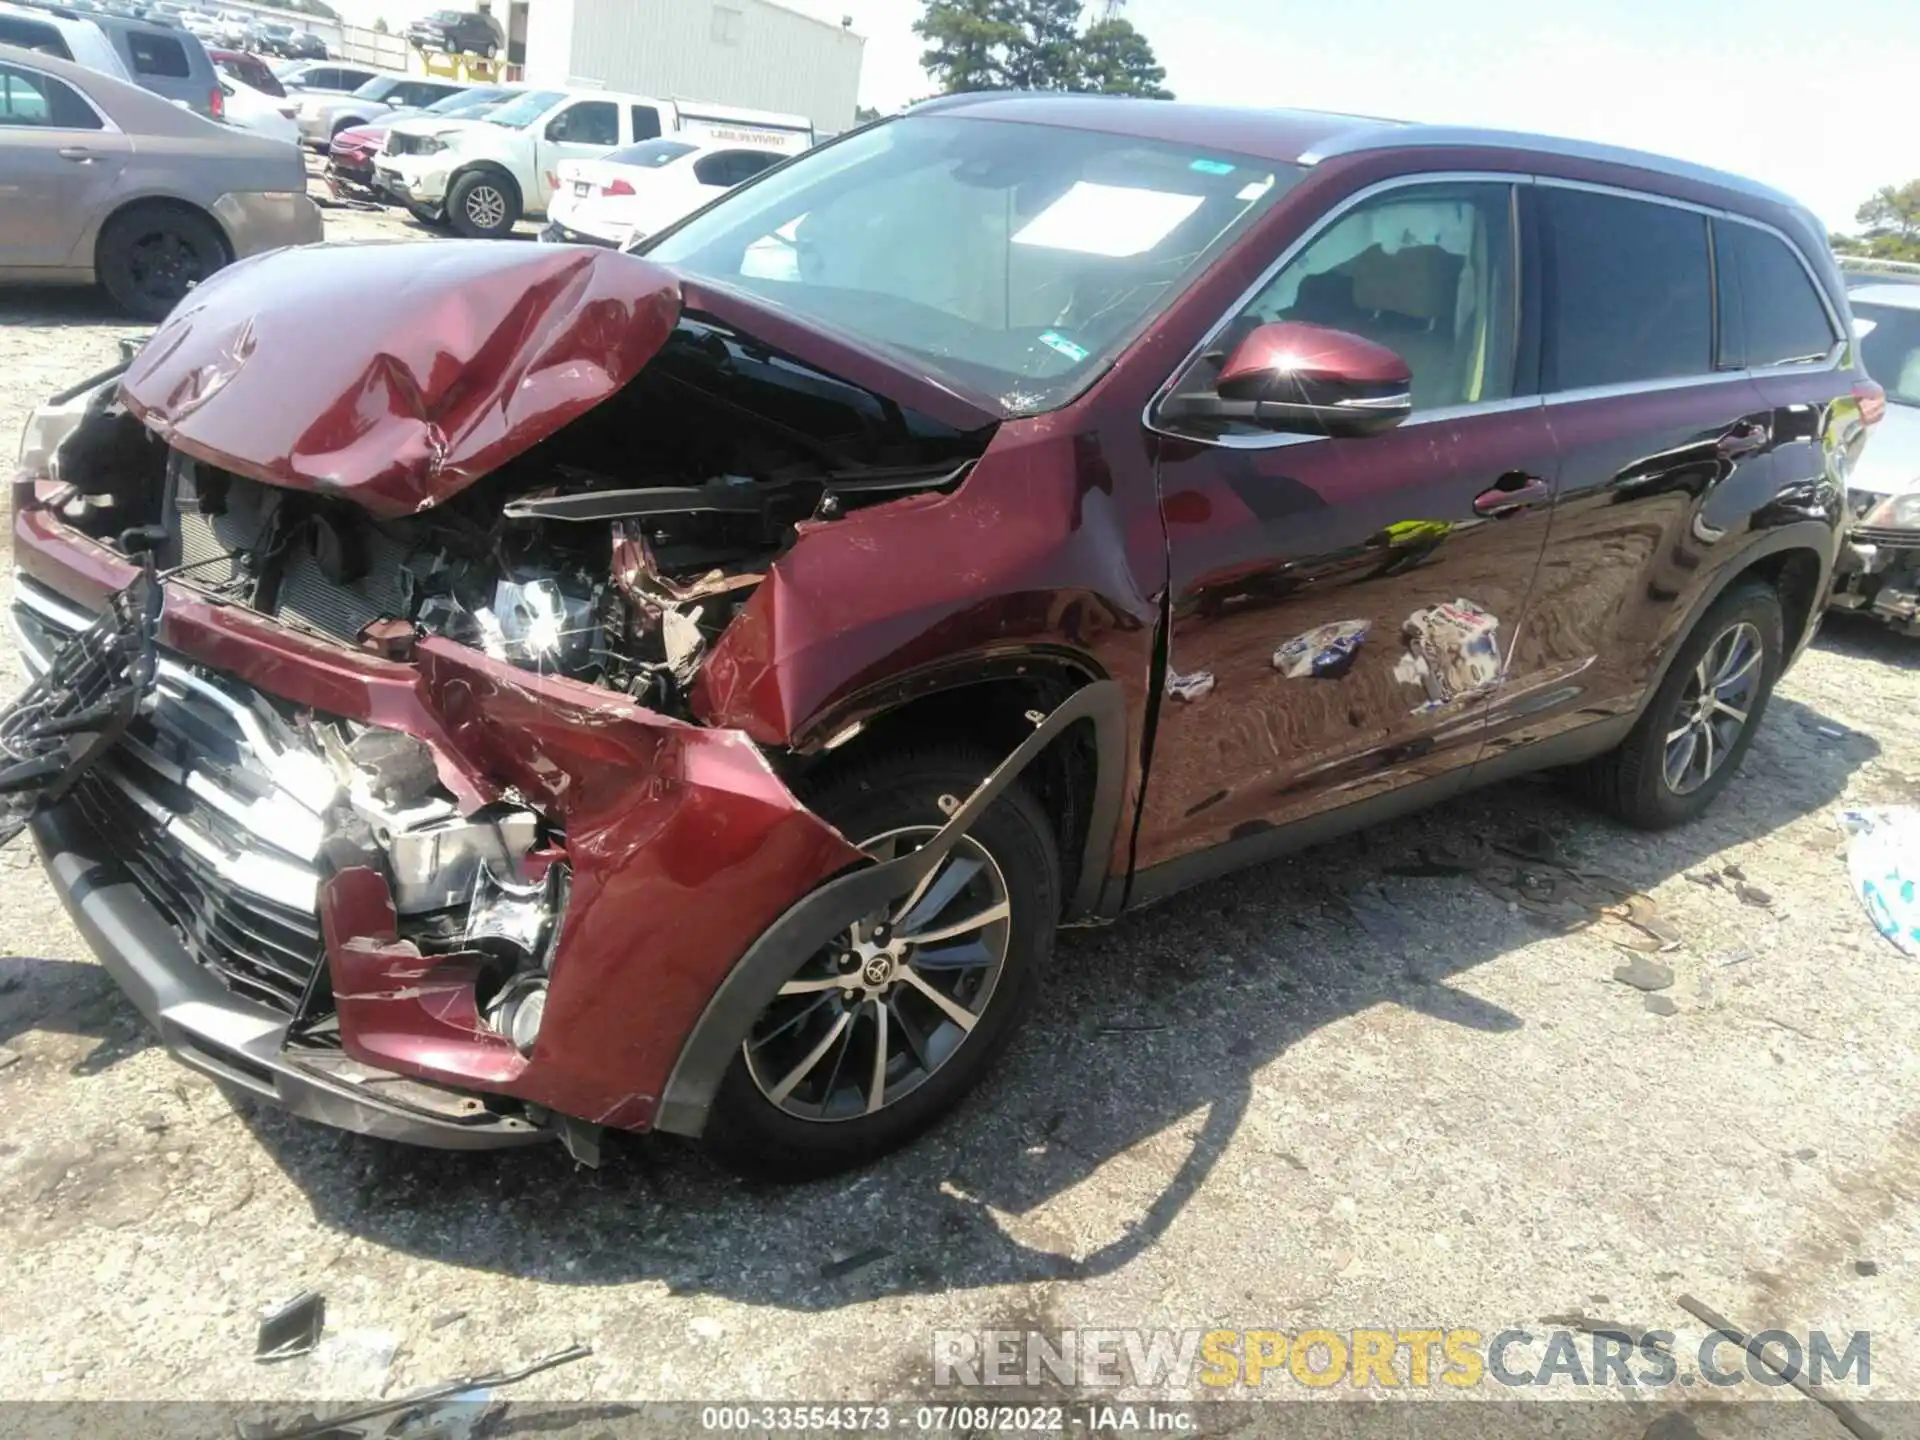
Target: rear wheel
point(151, 256)
point(875, 1037)
point(483, 205)
point(1701, 721)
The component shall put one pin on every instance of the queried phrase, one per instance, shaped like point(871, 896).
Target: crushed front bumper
point(251, 952)
point(1878, 574)
point(206, 1026)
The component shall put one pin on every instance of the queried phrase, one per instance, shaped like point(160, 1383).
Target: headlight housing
point(1896, 512)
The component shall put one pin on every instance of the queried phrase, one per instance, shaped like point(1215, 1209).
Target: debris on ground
point(1644, 974)
point(1850, 1418)
point(1661, 1005)
point(1883, 861)
point(292, 1329)
point(468, 1391)
point(859, 1260)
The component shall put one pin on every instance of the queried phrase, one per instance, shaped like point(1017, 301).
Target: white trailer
point(733, 52)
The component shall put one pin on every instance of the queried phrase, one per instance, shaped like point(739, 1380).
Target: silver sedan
point(101, 181)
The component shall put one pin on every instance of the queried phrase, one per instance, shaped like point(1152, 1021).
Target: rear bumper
point(206, 1026)
point(554, 233)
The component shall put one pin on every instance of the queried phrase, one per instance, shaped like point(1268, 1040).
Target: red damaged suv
point(687, 692)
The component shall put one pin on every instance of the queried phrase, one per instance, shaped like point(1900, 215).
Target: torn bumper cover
point(681, 847)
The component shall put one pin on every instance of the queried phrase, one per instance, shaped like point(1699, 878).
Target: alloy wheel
point(486, 207)
point(879, 1011)
point(1714, 708)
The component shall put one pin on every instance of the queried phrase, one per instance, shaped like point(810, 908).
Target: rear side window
point(1626, 290)
point(160, 55)
point(322, 79)
point(731, 167)
point(32, 35)
point(646, 122)
point(1770, 312)
point(40, 100)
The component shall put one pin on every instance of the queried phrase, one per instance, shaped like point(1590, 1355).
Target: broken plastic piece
point(1325, 652)
point(1196, 686)
point(1453, 652)
point(293, 1329)
point(1883, 861)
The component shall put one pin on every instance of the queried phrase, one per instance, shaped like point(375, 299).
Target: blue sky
point(1821, 100)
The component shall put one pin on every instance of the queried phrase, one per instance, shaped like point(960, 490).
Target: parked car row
point(481, 160)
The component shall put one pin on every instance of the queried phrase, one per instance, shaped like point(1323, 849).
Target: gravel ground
point(1316, 1094)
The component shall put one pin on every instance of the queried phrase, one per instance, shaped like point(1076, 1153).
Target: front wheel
point(1700, 723)
point(483, 206)
point(875, 1037)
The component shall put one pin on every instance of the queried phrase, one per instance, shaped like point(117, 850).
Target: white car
point(255, 110)
point(628, 194)
point(483, 175)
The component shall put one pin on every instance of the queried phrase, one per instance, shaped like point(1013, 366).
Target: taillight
point(1873, 401)
point(617, 187)
point(217, 102)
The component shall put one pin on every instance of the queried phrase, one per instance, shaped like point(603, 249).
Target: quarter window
point(646, 122)
point(1427, 271)
point(1770, 313)
point(1626, 289)
point(160, 55)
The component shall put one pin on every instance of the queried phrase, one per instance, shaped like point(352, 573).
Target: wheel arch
point(157, 201)
point(991, 703)
point(1796, 560)
point(823, 912)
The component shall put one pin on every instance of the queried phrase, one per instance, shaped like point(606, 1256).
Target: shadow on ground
point(1149, 1044)
point(57, 305)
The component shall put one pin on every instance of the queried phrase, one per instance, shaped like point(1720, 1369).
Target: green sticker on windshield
point(1066, 347)
point(1211, 167)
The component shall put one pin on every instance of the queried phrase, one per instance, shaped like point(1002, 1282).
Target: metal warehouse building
point(732, 52)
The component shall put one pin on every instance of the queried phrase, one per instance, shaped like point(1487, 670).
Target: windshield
point(1017, 258)
point(1890, 348)
point(518, 114)
point(650, 154)
point(464, 99)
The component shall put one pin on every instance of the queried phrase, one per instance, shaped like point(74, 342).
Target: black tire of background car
point(746, 1131)
point(1630, 781)
point(149, 256)
point(486, 50)
point(462, 191)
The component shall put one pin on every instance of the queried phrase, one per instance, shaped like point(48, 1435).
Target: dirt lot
point(1317, 1094)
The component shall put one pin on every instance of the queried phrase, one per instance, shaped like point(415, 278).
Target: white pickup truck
point(480, 176)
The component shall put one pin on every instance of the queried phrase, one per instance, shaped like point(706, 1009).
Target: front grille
point(1891, 539)
point(198, 804)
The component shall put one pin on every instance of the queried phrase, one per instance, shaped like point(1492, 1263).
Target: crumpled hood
point(396, 375)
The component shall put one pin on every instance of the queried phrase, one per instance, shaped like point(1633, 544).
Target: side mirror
point(1292, 377)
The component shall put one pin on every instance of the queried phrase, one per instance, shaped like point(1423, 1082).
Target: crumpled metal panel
point(463, 355)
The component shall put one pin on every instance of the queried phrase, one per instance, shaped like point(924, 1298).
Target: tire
point(483, 205)
point(751, 1132)
point(1641, 781)
point(149, 257)
point(486, 50)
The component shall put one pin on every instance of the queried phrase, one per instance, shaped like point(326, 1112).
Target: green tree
point(1115, 59)
point(1893, 210)
point(1034, 45)
point(1043, 51)
point(966, 41)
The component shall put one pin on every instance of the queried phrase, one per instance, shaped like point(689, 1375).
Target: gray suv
point(171, 63)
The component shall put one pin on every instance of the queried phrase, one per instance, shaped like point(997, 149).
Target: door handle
point(1511, 493)
point(79, 154)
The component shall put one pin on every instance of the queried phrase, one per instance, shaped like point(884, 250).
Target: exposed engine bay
point(614, 551)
